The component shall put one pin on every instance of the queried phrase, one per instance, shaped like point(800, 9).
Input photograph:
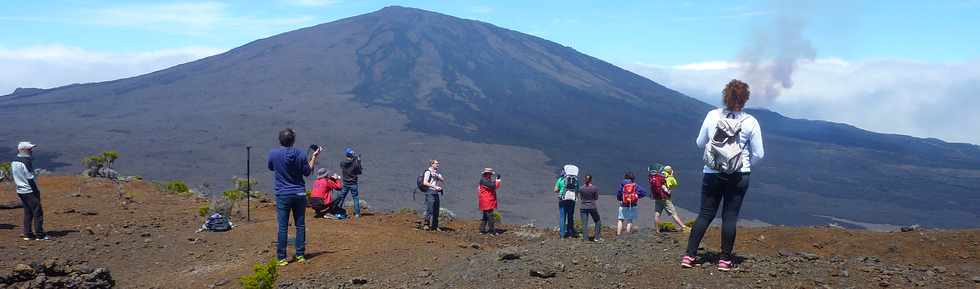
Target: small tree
point(263, 277)
point(108, 157)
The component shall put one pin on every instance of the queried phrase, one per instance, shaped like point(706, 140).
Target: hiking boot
point(27, 238)
point(724, 265)
point(43, 238)
point(687, 261)
point(301, 259)
point(283, 263)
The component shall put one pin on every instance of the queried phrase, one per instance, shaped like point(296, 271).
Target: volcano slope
point(404, 85)
point(147, 238)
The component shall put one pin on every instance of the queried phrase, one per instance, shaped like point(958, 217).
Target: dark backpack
point(571, 183)
point(217, 223)
point(420, 182)
point(630, 197)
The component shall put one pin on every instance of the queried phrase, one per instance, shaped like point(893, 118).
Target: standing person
point(22, 170)
point(662, 184)
point(320, 197)
point(351, 167)
point(587, 198)
point(566, 187)
point(433, 182)
point(487, 194)
point(290, 166)
point(726, 176)
point(629, 196)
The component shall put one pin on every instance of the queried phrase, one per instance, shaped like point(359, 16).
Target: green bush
point(264, 276)
point(666, 226)
point(407, 211)
point(204, 209)
point(690, 224)
point(233, 195)
point(5, 172)
point(178, 187)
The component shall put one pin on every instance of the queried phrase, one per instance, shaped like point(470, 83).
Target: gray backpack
point(723, 153)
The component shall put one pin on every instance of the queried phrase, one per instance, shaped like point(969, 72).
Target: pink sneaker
point(687, 261)
point(724, 265)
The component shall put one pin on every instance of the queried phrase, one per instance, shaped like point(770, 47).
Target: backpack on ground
point(216, 223)
point(630, 197)
point(723, 153)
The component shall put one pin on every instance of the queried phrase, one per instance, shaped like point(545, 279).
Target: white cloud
point(313, 3)
point(917, 98)
point(53, 65)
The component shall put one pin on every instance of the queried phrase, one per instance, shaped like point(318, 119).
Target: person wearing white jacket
point(729, 180)
point(22, 170)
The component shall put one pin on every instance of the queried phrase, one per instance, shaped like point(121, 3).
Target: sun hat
point(487, 171)
point(322, 173)
point(669, 169)
point(25, 145)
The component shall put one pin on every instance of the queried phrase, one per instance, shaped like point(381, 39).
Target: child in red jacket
point(320, 196)
point(487, 195)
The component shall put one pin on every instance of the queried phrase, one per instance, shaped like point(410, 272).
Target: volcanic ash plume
point(767, 63)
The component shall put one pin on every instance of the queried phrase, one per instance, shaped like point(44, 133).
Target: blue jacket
point(640, 193)
point(289, 165)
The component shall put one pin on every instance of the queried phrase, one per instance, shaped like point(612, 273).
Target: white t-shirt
point(750, 139)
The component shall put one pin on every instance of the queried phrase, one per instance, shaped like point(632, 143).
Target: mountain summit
point(404, 85)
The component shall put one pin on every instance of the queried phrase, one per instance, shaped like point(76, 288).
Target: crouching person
point(320, 196)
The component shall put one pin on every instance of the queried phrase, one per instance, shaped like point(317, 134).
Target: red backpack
point(657, 186)
point(630, 198)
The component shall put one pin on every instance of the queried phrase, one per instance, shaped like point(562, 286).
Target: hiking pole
point(248, 183)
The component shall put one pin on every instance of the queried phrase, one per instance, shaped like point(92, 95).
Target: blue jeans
point(355, 195)
point(296, 205)
point(566, 218)
point(432, 210)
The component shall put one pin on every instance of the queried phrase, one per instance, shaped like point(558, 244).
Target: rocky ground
point(147, 238)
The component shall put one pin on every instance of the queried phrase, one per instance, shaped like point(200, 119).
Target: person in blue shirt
point(290, 166)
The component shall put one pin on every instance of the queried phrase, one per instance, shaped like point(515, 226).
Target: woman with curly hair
point(727, 169)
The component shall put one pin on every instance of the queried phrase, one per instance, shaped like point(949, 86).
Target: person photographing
point(351, 169)
point(289, 166)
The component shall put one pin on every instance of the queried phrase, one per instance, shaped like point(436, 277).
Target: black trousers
point(33, 215)
point(717, 189)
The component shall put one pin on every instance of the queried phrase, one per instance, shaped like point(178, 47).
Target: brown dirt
point(147, 238)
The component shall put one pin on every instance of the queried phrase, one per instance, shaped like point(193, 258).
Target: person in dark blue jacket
point(629, 196)
point(290, 166)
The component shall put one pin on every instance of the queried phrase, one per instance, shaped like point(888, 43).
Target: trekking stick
point(248, 183)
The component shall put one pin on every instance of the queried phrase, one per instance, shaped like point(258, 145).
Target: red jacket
point(488, 194)
point(322, 188)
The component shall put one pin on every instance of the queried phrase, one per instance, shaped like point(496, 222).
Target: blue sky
point(854, 61)
point(662, 32)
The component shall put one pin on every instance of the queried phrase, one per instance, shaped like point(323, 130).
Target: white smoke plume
point(769, 60)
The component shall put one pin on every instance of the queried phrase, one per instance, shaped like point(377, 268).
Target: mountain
point(404, 85)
